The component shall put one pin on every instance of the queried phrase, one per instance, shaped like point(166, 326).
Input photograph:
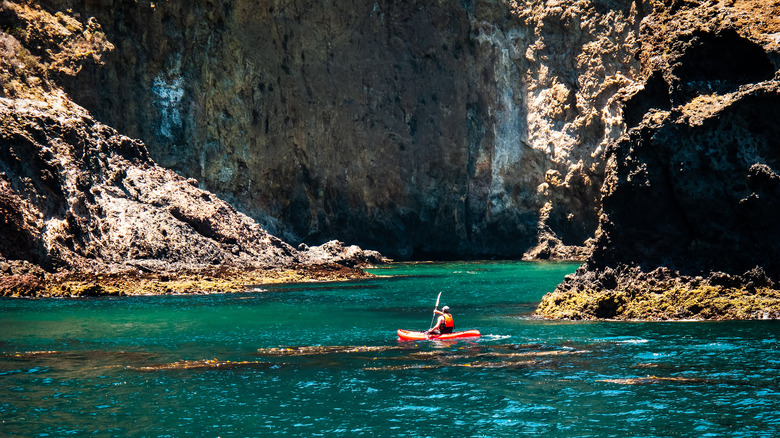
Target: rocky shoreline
point(629, 294)
point(86, 212)
point(132, 282)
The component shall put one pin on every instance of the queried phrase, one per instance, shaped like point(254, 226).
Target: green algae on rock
point(705, 302)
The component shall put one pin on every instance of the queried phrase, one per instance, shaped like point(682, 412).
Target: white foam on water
point(495, 337)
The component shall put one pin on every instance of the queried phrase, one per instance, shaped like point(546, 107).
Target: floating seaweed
point(649, 380)
point(359, 356)
point(205, 364)
point(323, 350)
point(479, 364)
point(30, 354)
point(79, 359)
point(505, 355)
point(532, 353)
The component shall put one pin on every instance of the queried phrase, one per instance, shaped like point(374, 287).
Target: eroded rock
point(85, 211)
point(686, 229)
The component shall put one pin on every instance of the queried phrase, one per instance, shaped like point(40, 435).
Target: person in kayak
point(445, 323)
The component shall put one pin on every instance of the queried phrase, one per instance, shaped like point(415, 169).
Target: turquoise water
point(211, 365)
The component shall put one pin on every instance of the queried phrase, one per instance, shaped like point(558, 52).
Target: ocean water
point(323, 359)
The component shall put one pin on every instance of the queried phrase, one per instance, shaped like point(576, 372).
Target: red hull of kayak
point(409, 335)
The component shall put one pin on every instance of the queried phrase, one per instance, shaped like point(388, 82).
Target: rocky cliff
point(644, 130)
point(446, 129)
point(77, 197)
point(688, 227)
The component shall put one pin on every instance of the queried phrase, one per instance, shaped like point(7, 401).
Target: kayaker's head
point(445, 309)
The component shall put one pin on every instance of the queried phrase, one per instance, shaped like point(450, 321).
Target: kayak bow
point(411, 335)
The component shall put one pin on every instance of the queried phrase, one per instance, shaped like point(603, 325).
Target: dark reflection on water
point(323, 360)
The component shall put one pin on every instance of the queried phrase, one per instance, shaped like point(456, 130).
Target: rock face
point(84, 194)
point(691, 192)
point(75, 195)
point(447, 129)
point(645, 130)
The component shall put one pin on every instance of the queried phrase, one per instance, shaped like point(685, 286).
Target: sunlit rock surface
point(76, 194)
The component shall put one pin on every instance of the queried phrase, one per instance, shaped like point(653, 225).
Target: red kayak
point(410, 335)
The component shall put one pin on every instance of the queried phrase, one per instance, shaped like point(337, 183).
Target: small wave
point(716, 346)
point(624, 340)
point(495, 337)
point(634, 341)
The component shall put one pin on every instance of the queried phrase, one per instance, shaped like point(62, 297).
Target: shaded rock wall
point(691, 185)
point(446, 129)
point(695, 190)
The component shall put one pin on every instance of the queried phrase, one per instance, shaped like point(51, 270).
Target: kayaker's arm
point(439, 322)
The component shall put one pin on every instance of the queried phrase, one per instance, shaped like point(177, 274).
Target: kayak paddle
point(434, 310)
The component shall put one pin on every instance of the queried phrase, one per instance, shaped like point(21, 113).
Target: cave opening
point(720, 63)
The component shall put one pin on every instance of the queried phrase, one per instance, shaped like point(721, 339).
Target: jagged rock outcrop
point(445, 129)
point(691, 196)
point(78, 193)
point(75, 194)
point(81, 200)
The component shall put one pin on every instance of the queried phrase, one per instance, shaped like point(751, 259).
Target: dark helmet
point(445, 309)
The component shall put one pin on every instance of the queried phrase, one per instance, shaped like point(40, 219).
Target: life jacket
point(447, 325)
